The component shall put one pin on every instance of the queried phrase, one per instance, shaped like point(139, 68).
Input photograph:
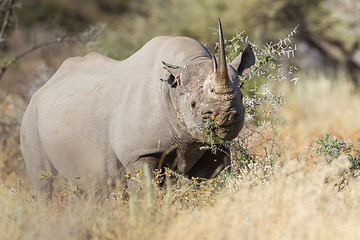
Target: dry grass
point(317, 105)
point(289, 202)
point(293, 204)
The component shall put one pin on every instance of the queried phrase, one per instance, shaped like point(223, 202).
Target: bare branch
point(5, 24)
point(10, 62)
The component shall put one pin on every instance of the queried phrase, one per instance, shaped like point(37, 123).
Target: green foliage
point(63, 184)
point(212, 139)
point(46, 175)
point(332, 148)
point(216, 144)
point(137, 175)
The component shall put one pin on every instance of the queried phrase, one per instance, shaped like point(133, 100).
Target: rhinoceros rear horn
point(221, 82)
point(214, 64)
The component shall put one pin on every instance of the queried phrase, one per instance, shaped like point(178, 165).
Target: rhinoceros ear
point(173, 74)
point(245, 60)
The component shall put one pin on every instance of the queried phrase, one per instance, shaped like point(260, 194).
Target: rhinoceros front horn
point(221, 84)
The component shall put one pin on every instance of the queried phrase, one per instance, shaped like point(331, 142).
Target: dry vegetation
point(290, 191)
point(289, 200)
point(318, 105)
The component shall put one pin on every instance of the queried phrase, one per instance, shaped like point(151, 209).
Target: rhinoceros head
point(210, 90)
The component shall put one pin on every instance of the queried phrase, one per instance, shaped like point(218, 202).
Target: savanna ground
point(303, 182)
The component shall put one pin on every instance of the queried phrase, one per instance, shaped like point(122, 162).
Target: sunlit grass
point(286, 201)
point(319, 105)
point(294, 203)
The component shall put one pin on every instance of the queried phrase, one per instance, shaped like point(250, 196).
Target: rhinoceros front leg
point(140, 164)
point(209, 165)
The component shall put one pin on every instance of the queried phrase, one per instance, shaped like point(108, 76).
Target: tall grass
point(291, 203)
point(11, 110)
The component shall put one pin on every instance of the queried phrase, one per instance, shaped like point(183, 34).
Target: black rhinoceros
point(99, 118)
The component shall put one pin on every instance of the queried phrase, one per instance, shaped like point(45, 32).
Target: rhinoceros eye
point(193, 104)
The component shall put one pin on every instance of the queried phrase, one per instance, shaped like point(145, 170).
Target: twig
point(4, 67)
point(6, 21)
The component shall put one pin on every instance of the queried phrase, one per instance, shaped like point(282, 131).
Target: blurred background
point(327, 41)
point(327, 37)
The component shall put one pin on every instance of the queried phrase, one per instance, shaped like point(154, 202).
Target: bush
point(333, 148)
point(261, 102)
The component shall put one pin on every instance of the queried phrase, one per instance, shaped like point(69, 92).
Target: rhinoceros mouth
point(231, 118)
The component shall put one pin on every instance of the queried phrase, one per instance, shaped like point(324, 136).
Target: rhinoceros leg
point(41, 170)
point(209, 165)
point(42, 177)
point(115, 174)
point(150, 161)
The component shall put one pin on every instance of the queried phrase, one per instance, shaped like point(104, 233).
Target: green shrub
point(261, 102)
point(333, 148)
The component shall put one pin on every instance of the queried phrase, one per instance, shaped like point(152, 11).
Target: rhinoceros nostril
point(206, 115)
point(229, 119)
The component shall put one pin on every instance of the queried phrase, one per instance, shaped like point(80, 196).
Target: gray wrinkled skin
point(98, 118)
